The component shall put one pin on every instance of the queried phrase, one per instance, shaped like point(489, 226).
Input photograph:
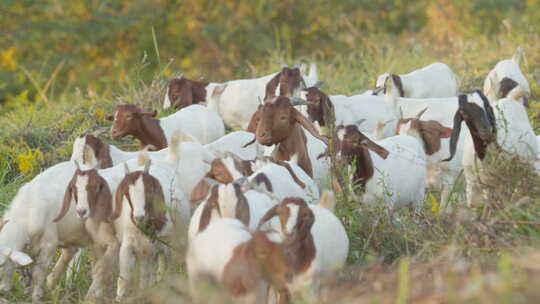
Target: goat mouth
point(116, 135)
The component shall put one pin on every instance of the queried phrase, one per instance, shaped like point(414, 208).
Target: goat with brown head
point(183, 92)
point(319, 106)
point(92, 151)
point(431, 131)
point(289, 80)
point(354, 145)
point(145, 197)
point(92, 195)
point(129, 119)
point(279, 123)
point(480, 120)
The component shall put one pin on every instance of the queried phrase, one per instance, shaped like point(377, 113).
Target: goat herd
point(246, 205)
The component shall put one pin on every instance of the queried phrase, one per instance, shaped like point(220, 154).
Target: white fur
point(258, 203)
point(211, 250)
point(514, 135)
point(434, 80)
point(240, 98)
point(200, 122)
point(234, 142)
point(29, 225)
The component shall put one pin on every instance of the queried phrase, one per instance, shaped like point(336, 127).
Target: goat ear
point(200, 191)
point(118, 198)
point(67, 201)
point(455, 131)
point(308, 125)
point(271, 87)
point(254, 121)
point(242, 207)
point(305, 223)
point(104, 204)
point(274, 211)
point(206, 214)
point(109, 118)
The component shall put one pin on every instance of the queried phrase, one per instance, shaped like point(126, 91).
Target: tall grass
point(395, 255)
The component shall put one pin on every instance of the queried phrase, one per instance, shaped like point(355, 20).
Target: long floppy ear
point(304, 224)
point(155, 201)
point(455, 132)
point(308, 125)
point(254, 121)
point(274, 211)
point(399, 84)
point(489, 110)
point(200, 191)
point(121, 191)
point(368, 143)
point(271, 87)
point(67, 199)
point(242, 207)
point(206, 214)
point(104, 204)
point(431, 133)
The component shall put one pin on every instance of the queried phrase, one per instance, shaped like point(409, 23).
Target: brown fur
point(155, 210)
point(356, 145)
point(279, 125)
point(299, 245)
point(506, 85)
point(99, 196)
point(318, 105)
point(431, 132)
point(184, 92)
point(262, 178)
point(255, 260)
point(288, 80)
point(242, 207)
point(200, 191)
point(399, 84)
point(101, 151)
point(211, 203)
point(131, 120)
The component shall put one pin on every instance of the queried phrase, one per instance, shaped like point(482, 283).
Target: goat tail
point(328, 200)
point(518, 55)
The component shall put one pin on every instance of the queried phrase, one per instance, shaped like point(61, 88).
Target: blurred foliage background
point(95, 44)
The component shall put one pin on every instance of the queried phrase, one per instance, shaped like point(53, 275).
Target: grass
point(455, 254)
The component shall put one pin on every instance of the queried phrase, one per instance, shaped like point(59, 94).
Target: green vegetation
point(65, 65)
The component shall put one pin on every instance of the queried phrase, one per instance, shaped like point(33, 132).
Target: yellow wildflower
point(29, 160)
point(99, 113)
point(434, 203)
point(7, 59)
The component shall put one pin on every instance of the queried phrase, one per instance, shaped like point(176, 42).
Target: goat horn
point(361, 121)
point(421, 113)
point(126, 169)
point(147, 166)
point(77, 165)
point(99, 131)
point(297, 101)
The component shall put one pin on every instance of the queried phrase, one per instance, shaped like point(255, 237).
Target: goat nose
point(81, 213)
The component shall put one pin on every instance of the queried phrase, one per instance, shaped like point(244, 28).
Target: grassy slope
point(437, 243)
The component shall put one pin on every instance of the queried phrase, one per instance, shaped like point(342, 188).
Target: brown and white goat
point(277, 122)
point(315, 241)
point(242, 263)
point(235, 100)
point(93, 203)
point(201, 123)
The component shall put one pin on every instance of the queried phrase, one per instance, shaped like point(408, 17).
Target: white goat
point(504, 77)
point(235, 100)
point(432, 81)
point(242, 263)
